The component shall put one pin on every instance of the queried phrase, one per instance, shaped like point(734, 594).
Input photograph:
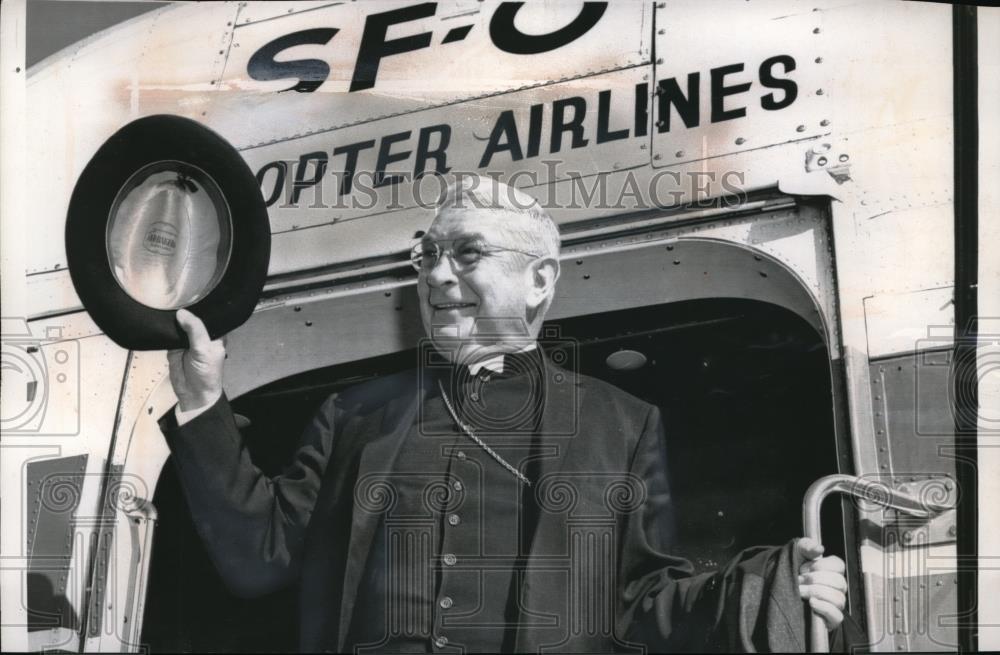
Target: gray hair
point(536, 232)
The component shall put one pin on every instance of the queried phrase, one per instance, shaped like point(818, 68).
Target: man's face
point(467, 308)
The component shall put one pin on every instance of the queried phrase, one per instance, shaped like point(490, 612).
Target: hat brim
point(141, 143)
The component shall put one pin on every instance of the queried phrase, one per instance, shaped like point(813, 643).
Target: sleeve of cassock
point(252, 525)
point(750, 605)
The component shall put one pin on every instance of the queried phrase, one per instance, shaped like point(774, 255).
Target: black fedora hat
point(167, 215)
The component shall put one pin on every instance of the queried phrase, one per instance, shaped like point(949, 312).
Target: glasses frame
point(416, 252)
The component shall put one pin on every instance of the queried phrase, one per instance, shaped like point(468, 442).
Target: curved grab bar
point(872, 491)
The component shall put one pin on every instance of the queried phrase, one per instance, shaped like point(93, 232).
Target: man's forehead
point(450, 223)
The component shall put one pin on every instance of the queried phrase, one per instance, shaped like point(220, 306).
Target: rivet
point(952, 530)
point(309, 323)
point(677, 262)
point(819, 60)
point(670, 247)
point(845, 158)
point(762, 274)
point(800, 128)
point(388, 294)
point(939, 583)
point(661, 31)
point(819, 92)
point(579, 262)
point(740, 141)
point(659, 60)
point(824, 123)
point(586, 277)
point(657, 157)
point(298, 309)
point(679, 153)
point(815, 30)
point(821, 161)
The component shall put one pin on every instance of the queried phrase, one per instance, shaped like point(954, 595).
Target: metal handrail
point(871, 490)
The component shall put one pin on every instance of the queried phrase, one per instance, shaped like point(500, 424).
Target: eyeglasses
point(465, 252)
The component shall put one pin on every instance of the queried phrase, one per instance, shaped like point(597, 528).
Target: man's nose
point(442, 273)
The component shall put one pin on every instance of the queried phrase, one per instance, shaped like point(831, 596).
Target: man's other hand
point(196, 373)
point(822, 582)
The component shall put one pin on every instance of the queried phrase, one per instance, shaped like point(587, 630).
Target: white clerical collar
point(494, 362)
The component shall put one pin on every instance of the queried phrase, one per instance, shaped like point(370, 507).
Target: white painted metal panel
point(440, 73)
point(754, 76)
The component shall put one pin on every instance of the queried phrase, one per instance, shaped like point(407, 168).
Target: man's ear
point(544, 273)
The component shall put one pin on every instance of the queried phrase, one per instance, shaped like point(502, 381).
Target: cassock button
point(446, 602)
point(441, 642)
point(454, 519)
point(450, 559)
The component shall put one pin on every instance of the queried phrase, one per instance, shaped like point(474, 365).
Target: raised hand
point(196, 373)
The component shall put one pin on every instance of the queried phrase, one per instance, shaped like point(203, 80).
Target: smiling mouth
point(452, 305)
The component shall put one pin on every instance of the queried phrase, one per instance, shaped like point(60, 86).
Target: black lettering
point(438, 154)
point(505, 126)
point(351, 164)
point(301, 182)
point(686, 104)
point(720, 91)
point(510, 39)
point(386, 157)
point(311, 73)
point(281, 169)
point(603, 117)
point(768, 79)
point(575, 125)
point(641, 109)
point(534, 129)
point(374, 46)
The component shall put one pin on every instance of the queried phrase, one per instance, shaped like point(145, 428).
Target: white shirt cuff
point(185, 416)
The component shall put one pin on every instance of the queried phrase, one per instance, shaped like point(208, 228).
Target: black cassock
point(588, 568)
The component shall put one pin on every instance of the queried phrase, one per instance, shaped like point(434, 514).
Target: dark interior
point(745, 390)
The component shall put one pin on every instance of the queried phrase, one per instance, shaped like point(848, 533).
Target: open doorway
point(745, 391)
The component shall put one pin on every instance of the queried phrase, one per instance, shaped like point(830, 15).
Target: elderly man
point(488, 500)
